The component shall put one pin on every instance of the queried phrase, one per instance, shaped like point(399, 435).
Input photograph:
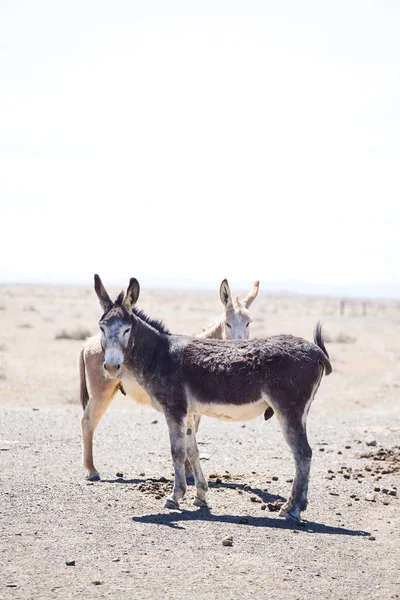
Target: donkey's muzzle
point(113, 369)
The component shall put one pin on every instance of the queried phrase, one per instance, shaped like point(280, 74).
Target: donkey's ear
point(225, 294)
point(132, 294)
point(104, 298)
point(252, 295)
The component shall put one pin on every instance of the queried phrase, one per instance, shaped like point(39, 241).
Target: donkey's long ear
point(225, 294)
point(104, 298)
point(132, 294)
point(252, 295)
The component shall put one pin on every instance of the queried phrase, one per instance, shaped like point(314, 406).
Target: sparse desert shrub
point(340, 338)
point(77, 334)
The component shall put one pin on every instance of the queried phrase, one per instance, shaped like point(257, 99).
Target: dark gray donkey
point(235, 380)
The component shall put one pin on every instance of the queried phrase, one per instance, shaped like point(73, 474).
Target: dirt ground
point(122, 543)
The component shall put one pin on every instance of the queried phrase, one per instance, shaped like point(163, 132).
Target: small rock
point(275, 506)
point(377, 488)
point(372, 538)
point(340, 452)
point(119, 474)
point(346, 476)
point(70, 563)
point(370, 497)
point(243, 521)
point(275, 478)
point(321, 449)
point(246, 488)
point(385, 502)
point(228, 541)
point(163, 480)
point(154, 422)
point(392, 492)
point(218, 480)
point(255, 499)
point(290, 480)
point(347, 447)
point(370, 441)
point(263, 506)
point(116, 559)
point(97, 582)
point(349, 504)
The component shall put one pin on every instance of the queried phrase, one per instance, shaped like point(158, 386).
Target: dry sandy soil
point(123, 543)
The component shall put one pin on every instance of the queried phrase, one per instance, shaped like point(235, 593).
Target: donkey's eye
point(102, 329)
point(247, 324)
point(227, 324)
point(127, 330)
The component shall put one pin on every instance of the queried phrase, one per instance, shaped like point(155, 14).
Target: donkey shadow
point(172, 519)
point(177, 519)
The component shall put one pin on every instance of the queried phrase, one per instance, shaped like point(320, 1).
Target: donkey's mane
point(155, 323)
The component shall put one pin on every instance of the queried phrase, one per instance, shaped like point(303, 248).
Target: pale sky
point(182, 142)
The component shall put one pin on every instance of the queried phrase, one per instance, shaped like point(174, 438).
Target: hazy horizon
point(362, 291)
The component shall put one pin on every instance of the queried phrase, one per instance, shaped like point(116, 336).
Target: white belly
point(229, 412)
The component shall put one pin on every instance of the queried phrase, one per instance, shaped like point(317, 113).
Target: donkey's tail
point(319, 341)
point(84, 394)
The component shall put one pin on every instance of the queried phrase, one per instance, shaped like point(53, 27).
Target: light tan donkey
point(97, 389)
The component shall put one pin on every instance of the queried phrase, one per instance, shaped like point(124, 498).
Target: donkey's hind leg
point(177, 435)
point(95, 409)
point(192, 453)
point(294, 431)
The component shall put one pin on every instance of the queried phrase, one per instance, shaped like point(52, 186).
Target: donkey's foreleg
point(192, 453)
point(294, 431)
point(95, 409)
point(177, 435)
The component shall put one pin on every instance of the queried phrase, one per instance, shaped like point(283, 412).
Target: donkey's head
point(116, 324)
point(237, 317)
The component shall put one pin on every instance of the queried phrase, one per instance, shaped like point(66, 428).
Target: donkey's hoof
point(94, 477)
point(171, 504)
point(284, 511)
point(199, 502)
point(292, 518)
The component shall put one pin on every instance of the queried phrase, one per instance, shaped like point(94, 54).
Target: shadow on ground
point(172, 519)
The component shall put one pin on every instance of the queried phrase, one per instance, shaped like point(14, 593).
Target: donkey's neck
point(147, 341)
point(216, 332)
